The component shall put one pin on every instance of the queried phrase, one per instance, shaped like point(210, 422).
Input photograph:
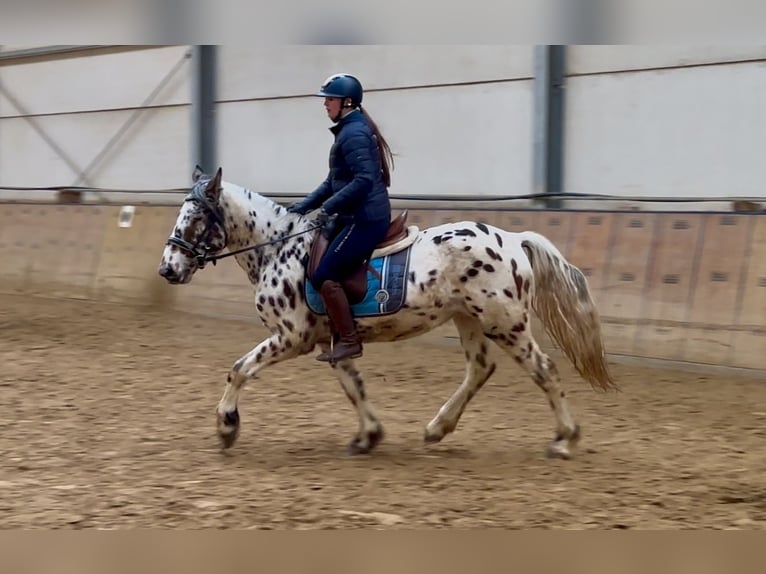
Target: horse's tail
point(562, 301)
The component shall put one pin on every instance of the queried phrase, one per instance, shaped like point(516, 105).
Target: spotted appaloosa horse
point(482, 278)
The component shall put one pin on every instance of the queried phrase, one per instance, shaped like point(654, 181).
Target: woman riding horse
point(356, 192)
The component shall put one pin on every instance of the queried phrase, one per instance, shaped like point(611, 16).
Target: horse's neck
point(251, 219)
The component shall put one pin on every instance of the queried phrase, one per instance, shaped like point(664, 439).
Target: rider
point(356, 192)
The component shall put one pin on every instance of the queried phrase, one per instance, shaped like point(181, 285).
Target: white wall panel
point(594, 59)
point(679, 133)
point(95, 82)
point(153, 153)
point(274, 71)
point(451, 140)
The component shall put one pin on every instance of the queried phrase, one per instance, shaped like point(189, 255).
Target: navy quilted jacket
point(354, 188)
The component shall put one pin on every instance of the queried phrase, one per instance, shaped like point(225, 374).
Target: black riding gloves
point(298, 208)
point(322, 218)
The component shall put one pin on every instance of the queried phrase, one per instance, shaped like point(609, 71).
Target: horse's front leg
point(270, 351)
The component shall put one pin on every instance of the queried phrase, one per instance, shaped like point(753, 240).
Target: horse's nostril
point(166, 271)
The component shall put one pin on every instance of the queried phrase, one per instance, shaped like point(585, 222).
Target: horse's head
point(199, 230)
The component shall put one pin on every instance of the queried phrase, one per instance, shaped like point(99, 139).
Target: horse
point(486, 280)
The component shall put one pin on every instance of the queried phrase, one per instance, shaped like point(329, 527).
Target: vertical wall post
point(540, 120)
point(548, 122)
point(557, 80)
point(203, 120)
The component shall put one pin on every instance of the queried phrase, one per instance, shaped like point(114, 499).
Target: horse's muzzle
point(169, 274)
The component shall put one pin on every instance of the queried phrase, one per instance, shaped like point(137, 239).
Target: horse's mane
point(252, 197)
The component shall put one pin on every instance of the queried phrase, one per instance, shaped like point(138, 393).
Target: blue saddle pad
point(384, 296)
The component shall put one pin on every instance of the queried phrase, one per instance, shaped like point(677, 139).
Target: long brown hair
point(386, 157)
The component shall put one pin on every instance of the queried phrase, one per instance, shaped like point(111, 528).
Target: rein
point(200, 250)
point(214, 258)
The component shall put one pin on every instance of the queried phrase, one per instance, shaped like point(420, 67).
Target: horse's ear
point(214, 186)
point(197, 173)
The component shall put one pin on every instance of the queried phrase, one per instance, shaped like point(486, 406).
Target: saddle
point(355, 285)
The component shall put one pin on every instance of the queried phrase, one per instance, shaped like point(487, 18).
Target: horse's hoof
point(432, 438)
point(355, 448)
point(373, 439)
point(228, 428)
point(558, 450)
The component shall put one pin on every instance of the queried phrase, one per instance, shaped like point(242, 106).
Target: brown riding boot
point(338, 309)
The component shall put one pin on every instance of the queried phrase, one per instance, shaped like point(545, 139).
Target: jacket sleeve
point(357, 152)
point(316, 197)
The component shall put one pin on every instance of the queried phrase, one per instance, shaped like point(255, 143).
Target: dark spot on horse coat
point(499, 239)
point(516, 277)
point(289, 292)
point(478, 263)
point(508, 293)
point(437, 240)
point(468, 232)
point(494, 254)
point(488, 268)
point(472, 272)
point(412, 277)
point(526, 285)
point(483, 227)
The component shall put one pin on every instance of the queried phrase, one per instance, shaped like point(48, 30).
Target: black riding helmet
point(342, 86)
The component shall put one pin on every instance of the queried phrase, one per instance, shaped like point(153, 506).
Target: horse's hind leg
point(478, 370)
point(370, 430)
point(520, 344)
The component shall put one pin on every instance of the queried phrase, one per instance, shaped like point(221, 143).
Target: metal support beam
point(557, 79)
point(203, 121)
point(42, 51)
point(540, 121)
point(548, 138)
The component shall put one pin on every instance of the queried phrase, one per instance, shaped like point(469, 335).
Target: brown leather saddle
point(355, 285)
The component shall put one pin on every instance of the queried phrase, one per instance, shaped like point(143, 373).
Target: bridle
point(201, 250)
